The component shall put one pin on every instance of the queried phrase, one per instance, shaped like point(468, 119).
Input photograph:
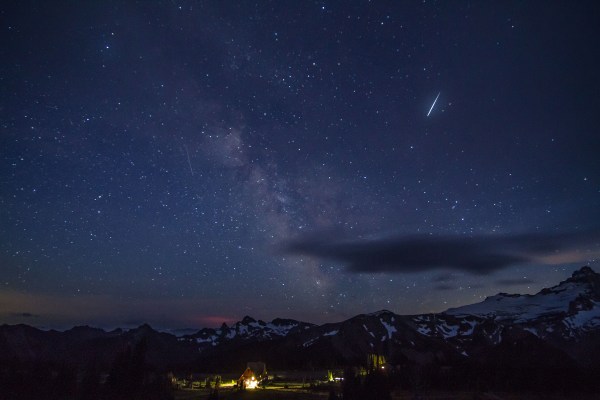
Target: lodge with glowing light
point(255, 373)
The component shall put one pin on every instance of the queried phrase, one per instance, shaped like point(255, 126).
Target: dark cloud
point(444, 287)
point(474, 254)
point(444, 278)
point(24, 315)
point(515, 282)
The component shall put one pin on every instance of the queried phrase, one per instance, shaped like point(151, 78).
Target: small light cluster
point(251, 383)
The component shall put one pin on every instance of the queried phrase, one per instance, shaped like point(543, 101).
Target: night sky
point(188, 163)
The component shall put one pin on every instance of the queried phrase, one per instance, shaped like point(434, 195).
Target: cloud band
point(474, 254)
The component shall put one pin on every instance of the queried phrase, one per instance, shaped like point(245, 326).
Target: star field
point(187, 163)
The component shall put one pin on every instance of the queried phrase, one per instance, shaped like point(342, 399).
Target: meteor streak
point(433, 105)
point(188, 159)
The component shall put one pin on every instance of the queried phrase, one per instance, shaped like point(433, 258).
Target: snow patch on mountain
point(585, 319)
point(448, 331)
point(424, 330)
point(280, 330)
point(211, 340)
point(471, 328)
point(231, 334)
point(309, 342)
point(389, 328)
point(532, 330)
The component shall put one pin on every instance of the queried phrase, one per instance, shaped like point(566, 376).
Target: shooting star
point(188, 159)
point(433, 105)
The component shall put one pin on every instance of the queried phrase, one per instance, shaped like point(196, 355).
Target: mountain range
point(559, 327)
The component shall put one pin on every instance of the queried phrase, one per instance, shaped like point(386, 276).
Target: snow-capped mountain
point(248, 329)
point(557, 326)
point(548, 340)
point(564, 318)
point(578, 298)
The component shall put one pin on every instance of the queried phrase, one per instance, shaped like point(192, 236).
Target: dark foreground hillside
point(401, 395)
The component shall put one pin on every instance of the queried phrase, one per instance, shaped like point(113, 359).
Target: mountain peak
point(247, 320)
point(579, 292)
point(583, 274)
point(143, 329)
point(380, 313)
point(586, 277)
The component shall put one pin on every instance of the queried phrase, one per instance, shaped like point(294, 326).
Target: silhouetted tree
point(332, 395)
point(126, 376)
point(158, 387)
point(376, 386)
point(131, 378)
point(351, 389)
point(89, 387)
point(214, 394)
point(64, 385)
